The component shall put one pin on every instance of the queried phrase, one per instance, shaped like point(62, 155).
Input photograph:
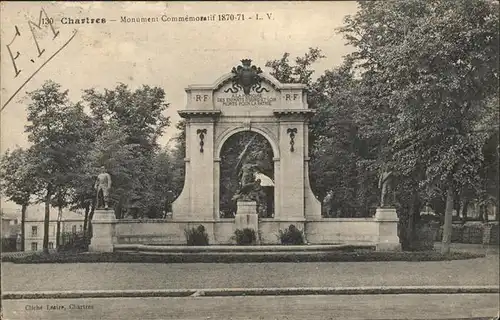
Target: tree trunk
point(24, 207)
point(448, 221)
point(91, 216)
point(46, 221)
point(58, 231)
point(481, 212)
point(457, 204)
point(413, 219)
point(86, 219)
point(497, 212)
point(410, 232)
point(465, 210)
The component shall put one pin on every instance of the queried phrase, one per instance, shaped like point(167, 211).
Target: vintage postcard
point(249, 160)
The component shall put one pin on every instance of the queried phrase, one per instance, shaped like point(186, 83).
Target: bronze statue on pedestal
point(102, 186)
point(385, 185)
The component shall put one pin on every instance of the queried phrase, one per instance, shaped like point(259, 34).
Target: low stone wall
point(342, 230)
point(149, 231)
point(380, 230)
point(170, 232)
point(321, 231)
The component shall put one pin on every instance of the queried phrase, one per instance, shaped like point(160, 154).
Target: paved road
point(263, 308)
point(109, 276)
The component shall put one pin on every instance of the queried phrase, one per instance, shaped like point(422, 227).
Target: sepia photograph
point(240, 160)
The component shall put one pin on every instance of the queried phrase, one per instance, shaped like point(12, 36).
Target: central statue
point(253, 187)
point(253, 184)
point(249, 186)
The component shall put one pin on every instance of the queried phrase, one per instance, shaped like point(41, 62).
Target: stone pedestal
point(246, 216)
point(387, 220)
point(103, 231)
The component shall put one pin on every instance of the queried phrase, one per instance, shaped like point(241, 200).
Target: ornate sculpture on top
point(385, 184)
point(102, 186)
point(246, 77)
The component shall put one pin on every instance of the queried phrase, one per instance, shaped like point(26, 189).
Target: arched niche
point(240, 148)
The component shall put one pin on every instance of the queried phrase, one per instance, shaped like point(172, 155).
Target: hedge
point(224, 258)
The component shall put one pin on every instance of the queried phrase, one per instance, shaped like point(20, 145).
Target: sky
point(170, 55)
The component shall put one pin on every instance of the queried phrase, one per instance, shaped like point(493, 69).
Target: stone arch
point(237, 129)
point(215, 112)
point(270, 196)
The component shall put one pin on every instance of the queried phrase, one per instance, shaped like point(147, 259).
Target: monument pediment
point(229, 95)
point(246, 86)
point(246, 89)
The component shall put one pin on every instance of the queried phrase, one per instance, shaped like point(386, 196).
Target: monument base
point(246, 216)
point(388, 239)
point(103, 231)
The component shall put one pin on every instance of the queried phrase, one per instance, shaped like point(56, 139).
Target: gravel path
point(108, 276)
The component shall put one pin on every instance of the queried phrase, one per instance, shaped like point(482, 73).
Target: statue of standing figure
point(385, 185)
point(102, 186)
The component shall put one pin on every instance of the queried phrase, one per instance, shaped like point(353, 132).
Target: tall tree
point(81, 193)
point(138, 113)
point(17, 182)
point(55, 130)
point(436, 63)
point(338, 151)
point(300, 71)
point(128, 124)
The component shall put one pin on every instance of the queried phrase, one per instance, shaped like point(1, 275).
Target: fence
point(474, 233)
point(74, 242)
point(9, 244)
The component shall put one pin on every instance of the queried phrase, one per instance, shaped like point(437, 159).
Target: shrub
point(73, 242)
point(424, 236)
point(291, 235)
point(196, 236)
point(245, 237)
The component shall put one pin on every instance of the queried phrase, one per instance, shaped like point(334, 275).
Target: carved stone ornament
point(292, 132)
point(247, 124)
point(247, 78)
point(201, 133)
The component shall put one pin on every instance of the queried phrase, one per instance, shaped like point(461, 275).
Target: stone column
point(103, 231)
point(216, 190)
point(202, 171)
point(277, 188)
point(291, 177)
point(387, 220)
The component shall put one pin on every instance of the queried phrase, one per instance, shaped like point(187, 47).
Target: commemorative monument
point(249, 100)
